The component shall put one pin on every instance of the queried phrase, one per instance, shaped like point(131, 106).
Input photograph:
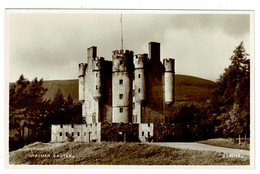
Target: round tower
point(97, 64)
point(169, 80)
point(81, 76)
point(122, 68)
point(139, 62)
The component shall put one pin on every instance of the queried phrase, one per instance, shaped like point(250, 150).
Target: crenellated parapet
point(122, 61)
point(168, 64)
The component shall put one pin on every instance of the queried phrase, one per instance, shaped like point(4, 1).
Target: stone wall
point(76, 132)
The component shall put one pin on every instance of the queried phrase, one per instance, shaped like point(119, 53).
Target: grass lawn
point(115, 153)
point(227, 143)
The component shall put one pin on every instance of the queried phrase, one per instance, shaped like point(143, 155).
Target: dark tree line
point(30, 116)
point(231, 98)
point(227, 114)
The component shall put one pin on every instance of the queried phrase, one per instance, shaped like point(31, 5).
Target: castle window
point(60, 133)
point(148, 124)
point(96, 64)
point(96, 87)
point(120, 81)
point(120, 110)
point(143, 133)
point(78, 133)
point(72, 133)
point(120, 96)
point(139, 90)
point(72, 125)
point(121, 62)
point(139, 76)
point(148, 134)
point(67, 133)
point(61, 126)
point(96, 74)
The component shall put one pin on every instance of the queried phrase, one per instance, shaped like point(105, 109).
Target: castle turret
point(97, 64)
point(82, 68)
point(169, 80)
point(122, 69)
point(140, 92)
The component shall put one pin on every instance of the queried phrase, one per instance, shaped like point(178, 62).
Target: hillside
point(187, 88)
point(67, 87)
point(112, 153)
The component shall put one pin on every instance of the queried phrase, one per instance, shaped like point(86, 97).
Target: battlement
point(82, 68)
point(169, 64)
point(140, 61)
point(121, 52)
point(122, 61)
point(97, 63)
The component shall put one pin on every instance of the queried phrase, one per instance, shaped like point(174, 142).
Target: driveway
point(202, 147)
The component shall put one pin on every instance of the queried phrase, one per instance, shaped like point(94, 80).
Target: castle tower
point(169, 80)
point(122, 69)
point(81, 76)
point(139, 62)
point(97, 65)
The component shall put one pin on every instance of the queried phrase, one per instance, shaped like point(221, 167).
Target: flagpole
point(121, 20)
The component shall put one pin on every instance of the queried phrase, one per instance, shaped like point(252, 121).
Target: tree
point(231, 98)
point(24, 105)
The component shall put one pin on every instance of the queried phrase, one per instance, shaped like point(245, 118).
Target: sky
point(50, 44)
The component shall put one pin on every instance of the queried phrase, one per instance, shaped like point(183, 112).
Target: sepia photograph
point(130, 87)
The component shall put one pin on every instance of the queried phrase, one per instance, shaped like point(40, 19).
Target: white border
point(174, 4)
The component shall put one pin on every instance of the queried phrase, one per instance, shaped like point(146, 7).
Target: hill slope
point(187, 88)
point(112, 153)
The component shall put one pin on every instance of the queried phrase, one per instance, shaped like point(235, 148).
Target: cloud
point(50, 45)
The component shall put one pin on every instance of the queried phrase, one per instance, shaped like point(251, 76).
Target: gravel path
point(203, 147)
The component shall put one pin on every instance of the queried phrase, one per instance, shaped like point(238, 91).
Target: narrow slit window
point(120, 96)
point(120, 81)
point(148, 134)
point(60, 133)
point(120, 110)
point(78, 133)
point(96, 87)
point(72, 133)
point(139, 90)
point(143, 133)
point(121, 62)
point(139, 76)
point(96, 74)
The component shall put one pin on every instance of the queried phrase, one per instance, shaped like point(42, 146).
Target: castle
point(126, 99)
